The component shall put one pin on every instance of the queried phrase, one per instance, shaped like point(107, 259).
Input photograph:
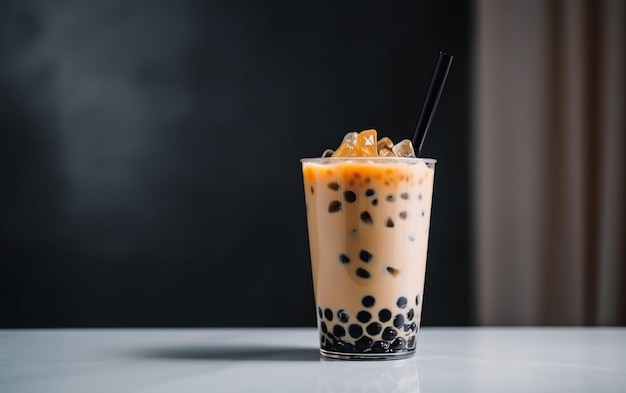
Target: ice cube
point(366, 144)
point(384, 146)
point(385, 152)
point(346, 149)
point(351, 137)
point(404, 148)
point(383, 143)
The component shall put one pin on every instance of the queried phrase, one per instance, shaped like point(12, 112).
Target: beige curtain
point(550, 162)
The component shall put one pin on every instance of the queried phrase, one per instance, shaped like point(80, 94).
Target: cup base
point(366, 356)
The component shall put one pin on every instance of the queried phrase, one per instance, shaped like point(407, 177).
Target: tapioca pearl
point(398, 321)
point(404, 195)
point(368, 301)
point(343, 258)
point(413, 327)
point(423, 213)
point(328, 313)
point(355, 330)
point(320, 313)
point(417, 299)
point(331, 336)
point(334, 207)
point(349, 196)
point(411, 343)
point(366, 218)
point(363, 343)
point(384, 315)
point(333, 185)
point(373, 328)
point(340, 346)
point(323, 327)
point(390, 198)
point(386, 182)
point(345, 347)
point(375, 201)
point(380, 346)
point(411, 238)
point(393, 271)
point(389, 333)
point(403, 215)
point(401, 302)
point(343, 316)
point(369, 192)
point(339, 331)
point(312, 190)
point(410, 314)
point(398, 344)
point(367, 180)
point(362, 273)
point(389, 222)
point(365, 256)
point(419, 196)
point(363, 316)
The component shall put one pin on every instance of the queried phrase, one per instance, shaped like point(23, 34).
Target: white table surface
point(287, 360)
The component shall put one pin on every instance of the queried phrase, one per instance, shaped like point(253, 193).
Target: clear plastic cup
point(368, 222)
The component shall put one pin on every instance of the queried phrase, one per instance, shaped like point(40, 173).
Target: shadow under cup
point(368, 220)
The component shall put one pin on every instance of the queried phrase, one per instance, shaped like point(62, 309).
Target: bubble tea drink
point(368, 213)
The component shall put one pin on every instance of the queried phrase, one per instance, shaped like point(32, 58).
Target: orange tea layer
point(368, 223)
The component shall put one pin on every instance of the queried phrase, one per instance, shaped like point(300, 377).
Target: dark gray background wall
point(149, 152)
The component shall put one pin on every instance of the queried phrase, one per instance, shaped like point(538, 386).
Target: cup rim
point(398, 160)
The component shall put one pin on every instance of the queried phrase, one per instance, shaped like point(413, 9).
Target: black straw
point(431, 101)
